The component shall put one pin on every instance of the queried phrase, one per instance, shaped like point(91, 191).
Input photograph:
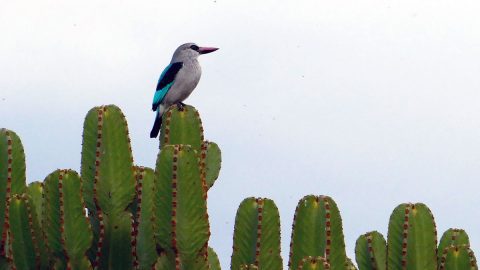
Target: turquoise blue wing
point(165, 82)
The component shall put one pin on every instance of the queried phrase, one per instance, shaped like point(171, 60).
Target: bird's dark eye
point(194, 47)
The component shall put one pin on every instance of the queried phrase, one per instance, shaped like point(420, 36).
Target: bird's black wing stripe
point(169, 75)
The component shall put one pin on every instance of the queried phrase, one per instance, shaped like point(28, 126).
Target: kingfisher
point(177, 81)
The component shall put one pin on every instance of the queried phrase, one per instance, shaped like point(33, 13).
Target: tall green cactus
point(145, 248)
point(256, 238)
point(317, 231)
point(108, 173)
point(412, 238)
point(67, 229)
point(12, 179)
point(26, 249)
point(371, 251)
point(181, 219)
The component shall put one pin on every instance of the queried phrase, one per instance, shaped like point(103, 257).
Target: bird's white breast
point(185, 82)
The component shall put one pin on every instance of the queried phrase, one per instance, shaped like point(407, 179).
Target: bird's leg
point(180, 106)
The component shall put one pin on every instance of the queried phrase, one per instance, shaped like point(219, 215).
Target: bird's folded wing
point(165, 81)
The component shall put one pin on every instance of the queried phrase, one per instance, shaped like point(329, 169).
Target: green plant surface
point(412, 238)
point(349, 265)
point(165, 261)
point(25, 251)
point(213, 261)
point(452, 237)
point(181, 220)
point(256, 238)
point(12, 175)
point(51, 216)
point(248, 267)
point(317, 231)
point(371, 251)
point(67, 229)
point(107, 162)
point(181, 127)
point(116, 250)
point(458, 258)
point(211, 158)
point(145, 239)
point(35, 192)
point(313, 263)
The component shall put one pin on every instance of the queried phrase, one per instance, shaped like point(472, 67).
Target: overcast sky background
point(373, 103)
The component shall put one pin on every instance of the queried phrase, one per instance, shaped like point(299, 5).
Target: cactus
point(371, 251)
point(313, 263)
point(249, 267)
point(139, 218)
point(213, 262)
point(67, 229)
point(452, 237)
point(317, 231)
point(12, 179)
point(458, 257)
point(26, 249)
point(108, 174)
point(145, 251)
point(412, 238)
point(185, 127)
point(256, 238)
point(181, 220)
point(349, 265)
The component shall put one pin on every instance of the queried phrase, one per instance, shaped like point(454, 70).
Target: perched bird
point(177, 80)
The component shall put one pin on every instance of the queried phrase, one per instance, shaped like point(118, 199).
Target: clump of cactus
point(117, 215)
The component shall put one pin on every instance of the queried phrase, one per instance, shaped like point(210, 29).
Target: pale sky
point(373, 103)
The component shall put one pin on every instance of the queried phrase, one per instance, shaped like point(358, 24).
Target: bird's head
point(191, 51)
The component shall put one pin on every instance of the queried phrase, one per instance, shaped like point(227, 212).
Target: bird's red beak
point(205, 50)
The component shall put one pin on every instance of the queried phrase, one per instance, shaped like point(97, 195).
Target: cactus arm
point(213, 261)
point(268, 238)
point(248, 267)
point(26, 253)
point(335, 249)
point(371, 251)
point(51, 215)
point(163, 198)
point(12, 176)
point(458, 258)
point(317, 231)
point(116, 252)
point(211, 160)
point(412, 238)
point(306, 238)
point(192, 228)
point(182, 127)
point(35, 192)
point(182, 221)
point(452, 237)
point(257, 235)
point(349, 265)
point(115, 187)
point(165, 261)
point(245, 234)
point(76, 230)
point(313, 263)
point(145, 241)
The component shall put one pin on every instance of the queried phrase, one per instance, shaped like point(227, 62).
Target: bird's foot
point(180, 106)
